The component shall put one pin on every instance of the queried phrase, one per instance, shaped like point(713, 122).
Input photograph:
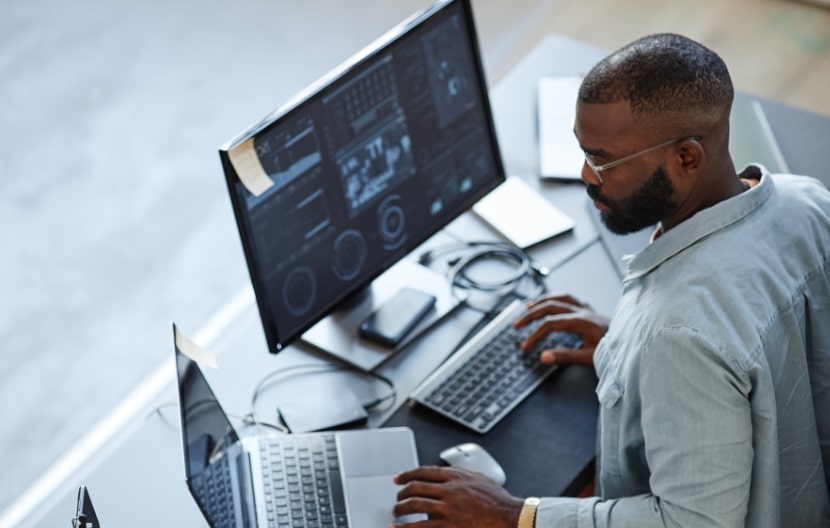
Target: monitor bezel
point(276, 340)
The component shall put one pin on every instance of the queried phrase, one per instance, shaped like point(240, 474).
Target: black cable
point(250, 420)
point(458, 273)
point(313, 368)
point(460, 279)
point(247, 420)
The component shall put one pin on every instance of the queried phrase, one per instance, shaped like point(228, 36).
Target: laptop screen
point(206, 430)
point(85, 516)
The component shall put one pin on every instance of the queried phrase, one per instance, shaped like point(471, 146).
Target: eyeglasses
point(599, 168)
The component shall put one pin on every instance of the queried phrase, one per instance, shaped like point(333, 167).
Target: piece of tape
point(194, 351)
point(247, 166)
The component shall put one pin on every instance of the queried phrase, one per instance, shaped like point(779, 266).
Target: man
point(714, 373)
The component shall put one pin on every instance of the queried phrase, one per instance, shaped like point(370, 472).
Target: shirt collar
point(703, 224)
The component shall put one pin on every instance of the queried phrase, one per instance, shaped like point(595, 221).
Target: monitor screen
point(362, 167)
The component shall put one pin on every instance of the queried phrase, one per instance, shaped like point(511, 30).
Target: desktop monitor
point(351, 175)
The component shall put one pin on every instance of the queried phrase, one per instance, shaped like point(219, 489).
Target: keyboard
point(214, 489)
point(490, 375)
point(303, 486)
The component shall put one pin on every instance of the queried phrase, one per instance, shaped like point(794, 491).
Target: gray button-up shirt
point(714, 377)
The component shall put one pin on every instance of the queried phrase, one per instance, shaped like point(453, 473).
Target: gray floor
point(113, 208)
point(115, 217)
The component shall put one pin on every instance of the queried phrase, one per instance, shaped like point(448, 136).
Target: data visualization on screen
point(371, 162)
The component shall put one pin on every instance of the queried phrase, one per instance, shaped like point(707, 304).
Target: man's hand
point(454, 497)
point(564, 313)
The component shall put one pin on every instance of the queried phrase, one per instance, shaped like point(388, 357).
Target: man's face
point(641, 209)
point(637, 193)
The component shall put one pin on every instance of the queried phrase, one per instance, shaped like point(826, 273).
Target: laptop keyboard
point(303, 485)
point(488, 377)
point(213, 486)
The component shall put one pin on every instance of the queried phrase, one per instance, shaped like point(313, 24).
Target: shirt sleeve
point(697, 430)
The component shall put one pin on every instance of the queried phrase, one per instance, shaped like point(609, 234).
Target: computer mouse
point(473, 457)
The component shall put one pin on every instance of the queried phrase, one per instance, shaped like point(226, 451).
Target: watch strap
point(527, 517)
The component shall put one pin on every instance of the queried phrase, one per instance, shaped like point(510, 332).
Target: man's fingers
point(560, 323)
point(564, 299)
point(544, 309)
point(567, 356)
point(417, 505)
point(430, 523)
point(417, 488)
point(423, 473)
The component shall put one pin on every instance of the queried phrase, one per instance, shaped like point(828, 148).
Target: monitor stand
point(337, 334)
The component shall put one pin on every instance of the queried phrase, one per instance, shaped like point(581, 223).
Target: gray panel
point(377, 452)
point(751, 137)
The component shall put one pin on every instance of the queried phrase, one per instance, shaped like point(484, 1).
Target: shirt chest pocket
point(610, 395)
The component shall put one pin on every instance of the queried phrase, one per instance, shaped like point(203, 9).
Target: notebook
point(521, 214)
point(560, 157)
point(333, 479)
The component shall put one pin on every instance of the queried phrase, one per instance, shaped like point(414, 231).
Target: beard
point(644, 208)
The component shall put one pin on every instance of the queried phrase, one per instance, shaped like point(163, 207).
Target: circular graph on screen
point(349, 254)
point(392, 222)
point(299, 290)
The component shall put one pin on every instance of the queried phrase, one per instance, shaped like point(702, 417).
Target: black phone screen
point(395, 318)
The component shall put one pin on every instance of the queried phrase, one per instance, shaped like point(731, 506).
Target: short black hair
point(658, 74)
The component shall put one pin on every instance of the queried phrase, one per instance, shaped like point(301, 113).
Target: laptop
point(85, 516)
point(324, 479)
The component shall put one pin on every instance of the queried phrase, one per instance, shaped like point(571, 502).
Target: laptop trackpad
point(370, 460)
point(370, 502)
point(377, 452)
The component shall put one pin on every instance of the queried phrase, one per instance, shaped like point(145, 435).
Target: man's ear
point(690, 156)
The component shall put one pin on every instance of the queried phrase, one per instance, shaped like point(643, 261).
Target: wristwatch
point(527, 517)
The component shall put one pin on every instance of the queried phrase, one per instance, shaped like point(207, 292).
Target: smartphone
point(396, 317)
point(84, 512)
